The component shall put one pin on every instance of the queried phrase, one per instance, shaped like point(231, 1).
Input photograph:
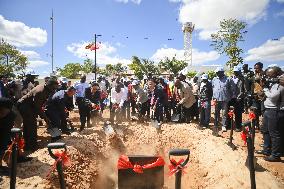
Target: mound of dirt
point(94, 155)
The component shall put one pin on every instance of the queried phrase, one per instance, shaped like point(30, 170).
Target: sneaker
point(272, 159)
point(224, 129)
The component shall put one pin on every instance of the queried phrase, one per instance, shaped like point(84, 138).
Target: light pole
point(52, 18)
point(95, 70)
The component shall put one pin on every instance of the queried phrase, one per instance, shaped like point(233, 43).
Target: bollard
point(59, 166)
point(16, 133)
point(178, 174)
point(250, 158)
point(231, 115)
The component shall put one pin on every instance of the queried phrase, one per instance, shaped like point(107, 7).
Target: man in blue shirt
point(222, 92)
point(84, 109)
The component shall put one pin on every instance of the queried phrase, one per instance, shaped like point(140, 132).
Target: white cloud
point(207, 14)
point(198, 57)
point(280, 1)
point(106, 54)
point(31, 54)
point(126, 1)
point(37, 63)
point(270, 51)
point(21, 35)
point(281, 13)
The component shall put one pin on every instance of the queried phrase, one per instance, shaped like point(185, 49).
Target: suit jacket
point(186, 95)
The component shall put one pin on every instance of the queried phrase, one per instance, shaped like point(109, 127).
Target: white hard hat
point(63, 80)
point(219, 69)
point(135, 82)
point(204, 76)
point(32, 72)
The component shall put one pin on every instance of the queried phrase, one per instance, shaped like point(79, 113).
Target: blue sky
point(124, 24)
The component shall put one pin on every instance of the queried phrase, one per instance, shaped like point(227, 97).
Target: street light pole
point(52, 41)
point(96, 35)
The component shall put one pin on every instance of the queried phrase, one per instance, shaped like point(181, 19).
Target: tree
point(173, 65)
point(211, 74)
point(191, 74)
point(71, 70)
point(11, 59)
point(225, 41)
point(143, 68)
point(118, 68)
point(88, 66)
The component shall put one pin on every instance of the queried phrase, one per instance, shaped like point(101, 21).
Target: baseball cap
point(204, 76)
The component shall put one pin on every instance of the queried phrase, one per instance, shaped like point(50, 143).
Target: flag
point(94, 47)
point(89, 46)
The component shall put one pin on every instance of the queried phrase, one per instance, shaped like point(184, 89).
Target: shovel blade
point(54, 132)
point(155, 124)
point(175, 118)
point(108, 129)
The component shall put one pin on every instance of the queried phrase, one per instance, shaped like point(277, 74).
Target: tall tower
point(187, 29)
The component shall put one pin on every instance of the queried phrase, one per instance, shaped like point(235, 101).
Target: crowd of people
point(159, 98)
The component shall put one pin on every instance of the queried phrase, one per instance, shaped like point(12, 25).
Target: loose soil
point(94, 155)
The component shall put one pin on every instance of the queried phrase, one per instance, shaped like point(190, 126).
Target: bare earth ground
point(94, 155)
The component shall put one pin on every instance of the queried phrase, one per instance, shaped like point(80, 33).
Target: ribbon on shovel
point(8, 152)
point(176, 166)
point(252, 116)
point(231, 114)
point(244, 135)
point(124, 163)
point(61, 156)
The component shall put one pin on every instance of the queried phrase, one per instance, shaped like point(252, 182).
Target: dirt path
point(94, 156)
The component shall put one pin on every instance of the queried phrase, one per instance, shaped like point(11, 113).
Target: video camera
point(268, 82)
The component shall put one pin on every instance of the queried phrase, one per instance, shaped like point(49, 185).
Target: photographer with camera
point(273, 115)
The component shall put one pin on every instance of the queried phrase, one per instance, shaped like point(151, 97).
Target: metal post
point(96, 57)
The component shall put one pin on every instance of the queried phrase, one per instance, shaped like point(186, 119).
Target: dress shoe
point(262, 152)
point(238, 130)
point(272, 159)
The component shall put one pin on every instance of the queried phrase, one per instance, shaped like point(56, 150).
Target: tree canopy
point(71, 70)
point(225, 41)
point(172, 65)
point(144, 67)
point(11, 59)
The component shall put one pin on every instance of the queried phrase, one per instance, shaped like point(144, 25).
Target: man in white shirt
point(118, 97)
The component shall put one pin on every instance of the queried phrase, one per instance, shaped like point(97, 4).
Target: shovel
point(108, 129)
point(230, 143)
point(16, 133)
point(178, 174)
point(250, 158)
point(58, 145)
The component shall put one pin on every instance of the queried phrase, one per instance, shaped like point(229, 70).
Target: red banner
point(124, 163)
